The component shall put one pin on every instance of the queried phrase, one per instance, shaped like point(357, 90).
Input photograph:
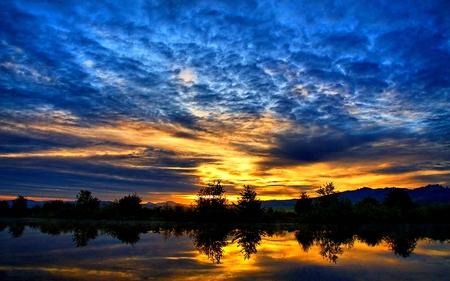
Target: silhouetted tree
point(303, 204)
point(248, 206)
point(211, 201)
point(4, 208)
point(86, 201)
point(129, 205)
point(327, 194)
point(19, 206)
point(399, 199)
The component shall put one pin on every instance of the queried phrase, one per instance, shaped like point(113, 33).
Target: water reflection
point(83, 234)
point(331, 242)
point(247, 240)
point(211, 240)
point(16, 229)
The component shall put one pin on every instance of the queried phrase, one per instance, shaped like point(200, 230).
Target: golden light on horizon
point(223, 156)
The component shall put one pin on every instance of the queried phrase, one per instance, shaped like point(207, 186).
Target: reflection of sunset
point(172, 254)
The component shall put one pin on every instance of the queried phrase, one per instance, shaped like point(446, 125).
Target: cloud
point(295, 83)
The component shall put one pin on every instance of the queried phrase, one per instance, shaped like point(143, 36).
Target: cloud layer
point(160, 97)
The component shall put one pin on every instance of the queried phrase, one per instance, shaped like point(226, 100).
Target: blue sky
point(161, 97)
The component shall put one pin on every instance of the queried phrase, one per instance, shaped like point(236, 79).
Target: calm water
point(51, 250)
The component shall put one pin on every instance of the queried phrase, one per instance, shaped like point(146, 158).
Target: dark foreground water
point(64, 250)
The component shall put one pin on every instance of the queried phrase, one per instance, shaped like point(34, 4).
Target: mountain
point(279, 204)
point(160, 204)
point(430, 194)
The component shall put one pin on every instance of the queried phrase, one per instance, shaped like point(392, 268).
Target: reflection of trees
point(210, 242)
point(3, 226)
point(16, 230)
point(51, 229)
point(248, 239)
point(128, 234)
point(371, 237)
point(82, 235)
point(330, 243)
point(176, 231)
point(402, 246)
point(305, 238)
point(330, 249)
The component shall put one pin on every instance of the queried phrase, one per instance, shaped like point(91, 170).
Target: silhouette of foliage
point(16, 230)
point(211, 197)
point(211, 204)
point(327, 194)
point(248, 239)
point(303, 204)
point(129, 205)
point(86, 201)
point(4, 208)
point(83, 234)
point(126, 233)
point(331, 243)
point(402, 245)
point(210, 242)
point(19, 206)
point(248, 206)
point(399, 199)
point(57, 209)
point(305, 238)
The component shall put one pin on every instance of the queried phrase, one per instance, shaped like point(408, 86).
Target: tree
point(130, 204)
point(86, 201)
point(4, 208)
point(327, 189)
point(248, 206)
point(19, 206)
point(303, 204)
point(211, 198)
point(399, 199)
point(327, 194)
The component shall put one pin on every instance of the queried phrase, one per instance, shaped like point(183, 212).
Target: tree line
point(211, 205)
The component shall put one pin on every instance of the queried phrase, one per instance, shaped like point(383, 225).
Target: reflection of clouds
point(166, 258)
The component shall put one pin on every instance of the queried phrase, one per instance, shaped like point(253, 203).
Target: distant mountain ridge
point(430, 194)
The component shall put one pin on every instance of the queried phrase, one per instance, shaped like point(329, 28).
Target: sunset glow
point(162, 99)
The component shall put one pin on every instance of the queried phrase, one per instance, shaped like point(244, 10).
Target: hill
point(430, 194)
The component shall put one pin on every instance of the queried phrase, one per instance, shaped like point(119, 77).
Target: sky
point(160, 98)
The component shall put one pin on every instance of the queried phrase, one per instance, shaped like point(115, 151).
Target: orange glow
point(223, 148)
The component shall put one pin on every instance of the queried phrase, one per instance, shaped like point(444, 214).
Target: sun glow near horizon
point(222, 158)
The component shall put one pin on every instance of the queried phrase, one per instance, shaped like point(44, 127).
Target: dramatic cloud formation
point(161, 97)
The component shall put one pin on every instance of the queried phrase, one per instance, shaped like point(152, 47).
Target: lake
point(71, 250)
